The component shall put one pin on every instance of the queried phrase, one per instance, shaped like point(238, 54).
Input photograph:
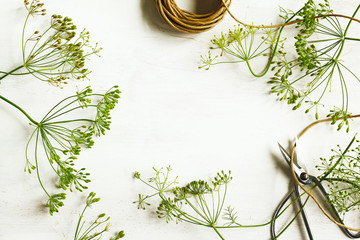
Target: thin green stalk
point(149, 185)
point(56, 138)
point(217, 232)
point(39, 49)
point(218, 208)
point(205, 208)
point(65, 112)
point(23, 37)
point(274, 50)
point(19, 108)
point(213, 205)
point(222, 202)
point(292, 220)
point(78, 223)
point(352, 39)
point(48, 153)
point(337, 162)
point(238, 225)
point(344, 90)
point(90, 229)
point(28, 164)
point(45, 117)
point(37, 164)
point(11, 72)
point(189, 218)
point(71, 121)
point(59, 131)
point(165, 180)
point(197, 211)
point(346, 30)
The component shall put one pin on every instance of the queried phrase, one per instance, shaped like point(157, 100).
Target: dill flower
point(57, 53)
point(94, 229)
point(59, 137)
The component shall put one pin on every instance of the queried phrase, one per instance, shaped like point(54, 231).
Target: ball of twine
point(189, 22)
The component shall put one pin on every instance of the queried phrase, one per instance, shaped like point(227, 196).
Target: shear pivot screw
point(304, 176)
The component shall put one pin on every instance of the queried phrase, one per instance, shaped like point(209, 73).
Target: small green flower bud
point(107, 227)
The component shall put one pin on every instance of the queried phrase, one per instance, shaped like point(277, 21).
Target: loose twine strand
point(189, 22)
point(308, 192)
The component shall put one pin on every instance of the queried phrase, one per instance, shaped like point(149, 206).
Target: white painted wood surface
point(170, 113)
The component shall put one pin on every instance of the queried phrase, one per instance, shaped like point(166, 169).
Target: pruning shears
point(305, 179)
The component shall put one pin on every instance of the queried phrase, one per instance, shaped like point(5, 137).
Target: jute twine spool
point(189, 22)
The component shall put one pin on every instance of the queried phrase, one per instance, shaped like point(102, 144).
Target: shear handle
point(301, 210)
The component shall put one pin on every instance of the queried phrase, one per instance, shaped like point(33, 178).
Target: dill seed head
point(35, 8)
point(60, 53)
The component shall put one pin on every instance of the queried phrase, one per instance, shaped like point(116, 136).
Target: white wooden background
point(170, 113)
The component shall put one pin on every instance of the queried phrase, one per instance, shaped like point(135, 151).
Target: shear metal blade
point(298, 170)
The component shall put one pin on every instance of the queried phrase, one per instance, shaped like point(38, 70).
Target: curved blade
point(301, 174)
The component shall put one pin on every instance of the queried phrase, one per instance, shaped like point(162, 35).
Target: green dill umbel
point(341, 175)
point(55, 54)
point(316, 68)
point(93, 229)
point(61, 134)
point(205, 201)
point(202, 203)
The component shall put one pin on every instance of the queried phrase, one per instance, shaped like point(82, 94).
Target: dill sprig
point(307, 77)
point(57, 53)
point(61, 134)
point(59, 137)
point(341, 176)
point(242, 44)
point(204, 199)
point(199, 202)
point(92, 230)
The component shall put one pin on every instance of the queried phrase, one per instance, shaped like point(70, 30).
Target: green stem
point(337, 162)
point(292, 220)
point(267, 67)
point(12, 71)
point(352, 183)
point(20, 109)
point(345, 32)
point(22, 38)
point(70, 121)
point(353, 39)
point(79, 222)
point(37, 163)
point(218, 233)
